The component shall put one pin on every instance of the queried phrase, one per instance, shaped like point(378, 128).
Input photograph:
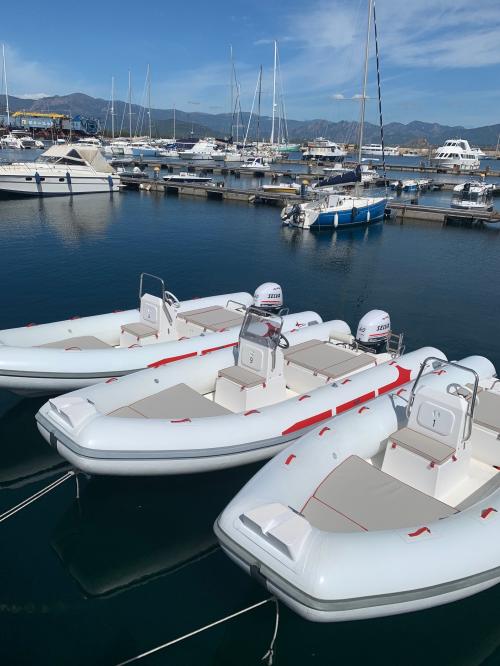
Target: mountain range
point(415, 133)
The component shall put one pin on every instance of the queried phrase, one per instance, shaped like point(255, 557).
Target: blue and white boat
point(335, 211)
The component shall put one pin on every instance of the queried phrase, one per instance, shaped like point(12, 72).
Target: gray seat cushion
point(348, 366)
point(326, 359)
point(358, 496)
point(242, 376)
point(425, 446)
point(487, 410)
point(177, 402)
point(82, 342)
point(139, 330)
point(213, 318)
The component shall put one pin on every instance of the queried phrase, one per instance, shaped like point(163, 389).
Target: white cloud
point(33, 95)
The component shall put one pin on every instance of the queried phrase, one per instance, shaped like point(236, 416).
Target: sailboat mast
point(231, 86)
point(365, 79)
point(174, 122)
point(6, 88)
point(149, 101)
point(112, 107)
point(258, 108)
point(129, 105)
point(274, 91)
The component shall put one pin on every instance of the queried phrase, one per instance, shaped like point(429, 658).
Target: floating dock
point(211, 191)
point(414, 212)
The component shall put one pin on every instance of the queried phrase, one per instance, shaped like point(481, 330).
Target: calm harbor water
point(133, 563)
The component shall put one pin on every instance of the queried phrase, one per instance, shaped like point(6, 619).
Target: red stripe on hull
point(311, 420)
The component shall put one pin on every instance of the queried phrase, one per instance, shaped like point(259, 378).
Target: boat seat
point(427, 447)
point(177, 402)
point(81, 342)
point(245, 378)
point(487, 410)
point(139, 330)
point(357, 496)
point(326, 359)
point(213, 318)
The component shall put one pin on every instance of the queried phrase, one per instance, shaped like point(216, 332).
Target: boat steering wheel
point(172, 299)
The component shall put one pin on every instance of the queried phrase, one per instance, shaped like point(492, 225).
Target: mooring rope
point(268, 657)
point(22, 505)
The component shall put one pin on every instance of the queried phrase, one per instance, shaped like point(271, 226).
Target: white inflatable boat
point(66, 355)
point(393, 507)
point(228, 408)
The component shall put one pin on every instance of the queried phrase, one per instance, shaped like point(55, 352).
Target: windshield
point(262, 329)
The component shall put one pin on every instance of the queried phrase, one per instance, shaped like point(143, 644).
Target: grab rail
point(439, 363)
point(155, 277)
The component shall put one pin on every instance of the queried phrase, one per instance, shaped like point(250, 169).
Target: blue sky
point(440, 58)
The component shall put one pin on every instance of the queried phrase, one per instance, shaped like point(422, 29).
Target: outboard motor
point(374, 331)
point(269, 296)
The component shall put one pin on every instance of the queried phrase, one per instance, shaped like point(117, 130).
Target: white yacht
point(323, 149)
point(376, 149)
point(61, 170)
point(91, 142)
point(203, 150)
point(456, 154)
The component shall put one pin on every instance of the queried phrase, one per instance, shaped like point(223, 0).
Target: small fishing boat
point(390, 508)
point(285, 188)
point(186, 177)
point(65, 355)
point(410, 185)
point(236, 405)
point(473, 195)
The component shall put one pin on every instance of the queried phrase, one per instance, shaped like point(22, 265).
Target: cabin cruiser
point(91, 142)
point(323, 149)
point(256, 164)
point(203, 150)
point(116, 147)
point(456, 154)
point(231, 406)
point(11, 141)
point(64, 355)
point(61, 170)
point(473, 195)
point(390, 508)
point(375, 149)
point(186, 177)
point(140, 149)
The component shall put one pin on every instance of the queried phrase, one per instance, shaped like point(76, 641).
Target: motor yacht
point(323, 149)
point(61, 170)
point(456, 154)
point(376, 150)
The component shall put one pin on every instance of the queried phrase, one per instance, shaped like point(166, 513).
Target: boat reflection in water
point(124, 532)
point(24, 457)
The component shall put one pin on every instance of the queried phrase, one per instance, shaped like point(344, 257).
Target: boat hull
point(350, 218)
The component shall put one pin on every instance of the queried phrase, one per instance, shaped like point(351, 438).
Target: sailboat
point(341, 210)
point(279, 138)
